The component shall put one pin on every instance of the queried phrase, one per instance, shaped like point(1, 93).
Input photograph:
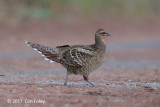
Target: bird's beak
point(107, 34)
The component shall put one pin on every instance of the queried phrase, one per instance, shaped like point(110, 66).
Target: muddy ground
point(128, 77)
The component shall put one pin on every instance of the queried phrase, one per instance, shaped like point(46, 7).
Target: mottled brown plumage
point(77, 59)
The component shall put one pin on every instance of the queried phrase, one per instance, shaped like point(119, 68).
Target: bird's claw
point(65, 84)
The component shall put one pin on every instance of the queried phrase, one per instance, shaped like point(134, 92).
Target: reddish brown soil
point(129, 76)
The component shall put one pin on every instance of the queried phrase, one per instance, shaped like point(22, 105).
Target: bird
point(77, 59)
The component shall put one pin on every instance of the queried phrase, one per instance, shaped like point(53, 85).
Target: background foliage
point(53, 9)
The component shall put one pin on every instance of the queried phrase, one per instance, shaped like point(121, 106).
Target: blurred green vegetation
point(50, 9)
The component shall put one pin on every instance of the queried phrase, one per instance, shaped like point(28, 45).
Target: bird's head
point(101, 32)
point(100, 36)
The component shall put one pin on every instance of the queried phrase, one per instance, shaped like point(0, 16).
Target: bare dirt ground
point(129, 76)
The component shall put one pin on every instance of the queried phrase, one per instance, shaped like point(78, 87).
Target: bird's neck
point(100, 42)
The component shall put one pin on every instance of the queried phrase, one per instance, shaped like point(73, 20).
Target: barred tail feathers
point(45, 51)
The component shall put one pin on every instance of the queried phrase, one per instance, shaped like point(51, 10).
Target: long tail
point(45, 51)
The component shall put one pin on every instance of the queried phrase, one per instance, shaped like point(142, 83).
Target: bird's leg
point(90, 83)
point(86, 79)
point(66, 80)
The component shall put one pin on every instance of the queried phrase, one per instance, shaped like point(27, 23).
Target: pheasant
point(77, 59)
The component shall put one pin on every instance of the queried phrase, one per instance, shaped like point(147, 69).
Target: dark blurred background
point(56, 22)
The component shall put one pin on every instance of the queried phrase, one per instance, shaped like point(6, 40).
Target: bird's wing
point(48, 52)
point(77, 56)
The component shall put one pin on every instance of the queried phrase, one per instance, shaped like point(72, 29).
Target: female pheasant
point(77, 59)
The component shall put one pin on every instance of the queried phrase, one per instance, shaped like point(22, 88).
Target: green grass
point(48, 9)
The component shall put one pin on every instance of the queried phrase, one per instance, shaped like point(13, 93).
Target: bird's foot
point(65, 84)
point(91, 83)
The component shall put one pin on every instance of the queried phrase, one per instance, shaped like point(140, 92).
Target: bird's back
point(80, 59)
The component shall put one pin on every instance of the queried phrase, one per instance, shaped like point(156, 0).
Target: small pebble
point(39, 88)
point(129, 80)
point(107, 84)
point(108, 96)
point(100, 89)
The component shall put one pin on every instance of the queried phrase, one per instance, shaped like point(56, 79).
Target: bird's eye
point(103, 33)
